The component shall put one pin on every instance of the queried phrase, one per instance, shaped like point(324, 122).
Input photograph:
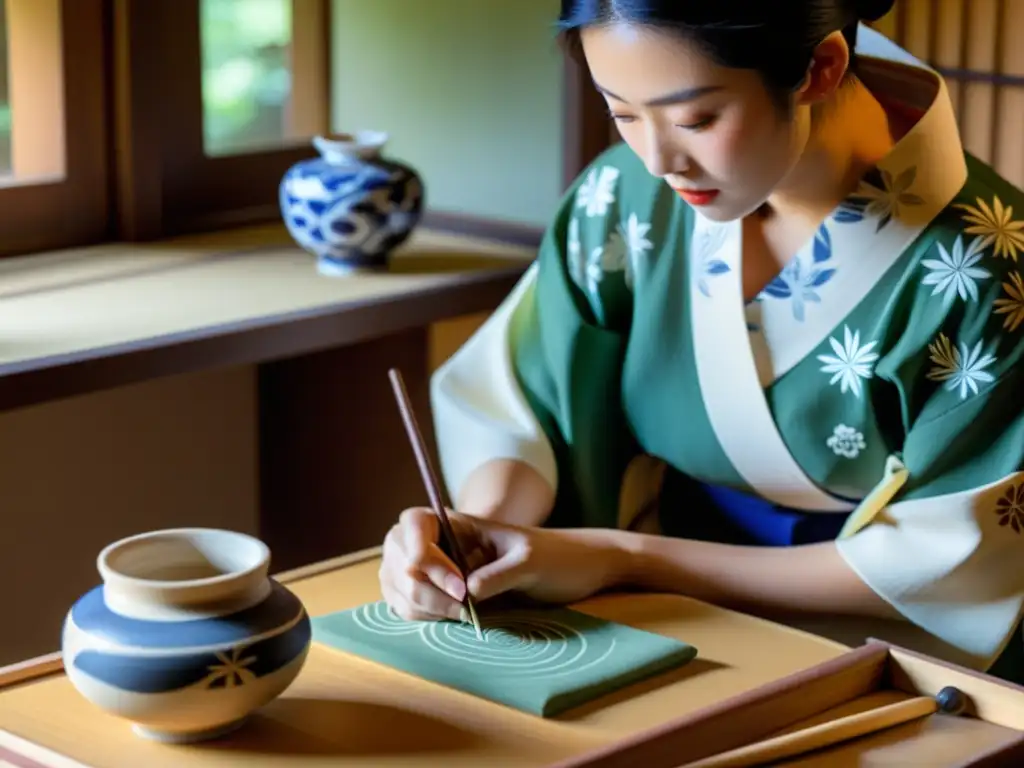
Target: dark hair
point(776, 38)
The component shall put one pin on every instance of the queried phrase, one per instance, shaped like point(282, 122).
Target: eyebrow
point(679, 97)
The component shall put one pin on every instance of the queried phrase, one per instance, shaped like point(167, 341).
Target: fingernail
point(464, 616)
point(455, 587)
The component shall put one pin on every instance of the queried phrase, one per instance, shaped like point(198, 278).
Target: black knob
point(951, 700)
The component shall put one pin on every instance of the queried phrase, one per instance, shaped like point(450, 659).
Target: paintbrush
point(433, 488)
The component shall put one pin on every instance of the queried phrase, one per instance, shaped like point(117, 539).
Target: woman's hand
point(417, 579)
point(420, 582)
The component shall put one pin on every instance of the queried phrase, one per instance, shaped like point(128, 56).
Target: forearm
point(508, 491)
point(766, 580)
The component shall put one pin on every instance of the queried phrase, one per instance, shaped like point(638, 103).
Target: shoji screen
point(972, 43)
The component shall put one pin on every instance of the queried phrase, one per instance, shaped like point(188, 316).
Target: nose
point(663, 157)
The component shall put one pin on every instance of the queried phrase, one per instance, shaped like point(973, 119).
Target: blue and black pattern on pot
point(91, 615)
point(150, 656)
point(228, 668)
point(353, 214)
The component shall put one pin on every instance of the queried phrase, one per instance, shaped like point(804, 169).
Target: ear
point(829, 66)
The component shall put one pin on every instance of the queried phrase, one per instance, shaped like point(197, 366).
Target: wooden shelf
point(87, 319)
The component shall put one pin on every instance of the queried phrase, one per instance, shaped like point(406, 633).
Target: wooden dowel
point(819, 736)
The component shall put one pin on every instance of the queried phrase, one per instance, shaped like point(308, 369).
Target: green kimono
point(871, 394)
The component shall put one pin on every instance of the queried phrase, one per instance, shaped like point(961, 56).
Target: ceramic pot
point(187, 634)
point(351, 207)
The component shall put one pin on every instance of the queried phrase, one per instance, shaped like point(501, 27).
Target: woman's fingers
point(509, 572)
point(415, 600)
point(420, 532)
point(476, 558)
point(418, 581)
point(402, 607)
point(425, 598)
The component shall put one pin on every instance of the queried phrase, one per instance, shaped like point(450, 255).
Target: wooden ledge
point(88, 319)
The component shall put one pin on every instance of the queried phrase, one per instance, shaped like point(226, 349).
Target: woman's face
point(712, 133)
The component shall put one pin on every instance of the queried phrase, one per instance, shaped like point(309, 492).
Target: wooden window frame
point(133, 118)
point(167, 185)
point(126, 105)
point(585, 124)
point(60, 135)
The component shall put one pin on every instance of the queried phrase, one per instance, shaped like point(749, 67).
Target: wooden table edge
point(18, 750)
point(326, 566)
point(52, 663)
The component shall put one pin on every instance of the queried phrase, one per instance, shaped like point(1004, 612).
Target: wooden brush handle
point(822, 735)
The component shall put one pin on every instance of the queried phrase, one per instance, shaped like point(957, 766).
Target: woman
point(769, 355)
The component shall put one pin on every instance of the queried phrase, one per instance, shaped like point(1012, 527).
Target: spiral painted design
point(522, 645)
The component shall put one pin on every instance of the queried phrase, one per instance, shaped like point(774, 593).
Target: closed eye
point(699, 125)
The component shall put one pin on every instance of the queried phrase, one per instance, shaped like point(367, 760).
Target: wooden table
point(343, 711)
point(751, 677)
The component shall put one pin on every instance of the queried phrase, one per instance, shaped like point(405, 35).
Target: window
point(5, 100)
point(141, 119)
point(219, 98)
point(252, 100)
point(53, 140)
point(138, 119)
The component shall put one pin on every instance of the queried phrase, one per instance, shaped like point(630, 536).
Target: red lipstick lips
point(697, 196)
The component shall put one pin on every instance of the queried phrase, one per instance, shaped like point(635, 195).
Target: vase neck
point(347, 149)
point(169, 603)
point(184, 573)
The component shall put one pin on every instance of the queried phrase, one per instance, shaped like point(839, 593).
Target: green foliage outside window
point(246, 73)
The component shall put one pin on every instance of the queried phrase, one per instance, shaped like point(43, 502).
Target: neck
point(849, 136)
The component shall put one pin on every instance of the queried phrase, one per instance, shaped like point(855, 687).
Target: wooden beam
point(585, 133)
point(308, 111)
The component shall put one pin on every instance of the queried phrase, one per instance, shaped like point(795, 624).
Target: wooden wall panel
point(978, 109)
point(1008, 113)
point(971, 43)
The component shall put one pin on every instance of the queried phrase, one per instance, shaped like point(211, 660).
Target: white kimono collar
point(742, 349)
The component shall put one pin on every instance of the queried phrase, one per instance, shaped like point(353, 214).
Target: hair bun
point(873, 10)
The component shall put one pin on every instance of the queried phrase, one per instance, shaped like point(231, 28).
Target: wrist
point(633, 566)
point(619, 554)
point(643, 562)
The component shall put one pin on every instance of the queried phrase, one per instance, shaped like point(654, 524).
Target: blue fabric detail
point(735, 515)
point(770, 525)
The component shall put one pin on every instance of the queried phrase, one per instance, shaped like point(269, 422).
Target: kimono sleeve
point(949, 552)
point(480, 411)
point(539, 382)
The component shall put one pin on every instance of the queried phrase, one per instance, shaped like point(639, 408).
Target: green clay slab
point(539, 660)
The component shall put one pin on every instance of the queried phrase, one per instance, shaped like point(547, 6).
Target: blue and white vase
point(187, 635)
point(351, 207)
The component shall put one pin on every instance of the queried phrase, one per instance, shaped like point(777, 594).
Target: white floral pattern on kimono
point(944, 551)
